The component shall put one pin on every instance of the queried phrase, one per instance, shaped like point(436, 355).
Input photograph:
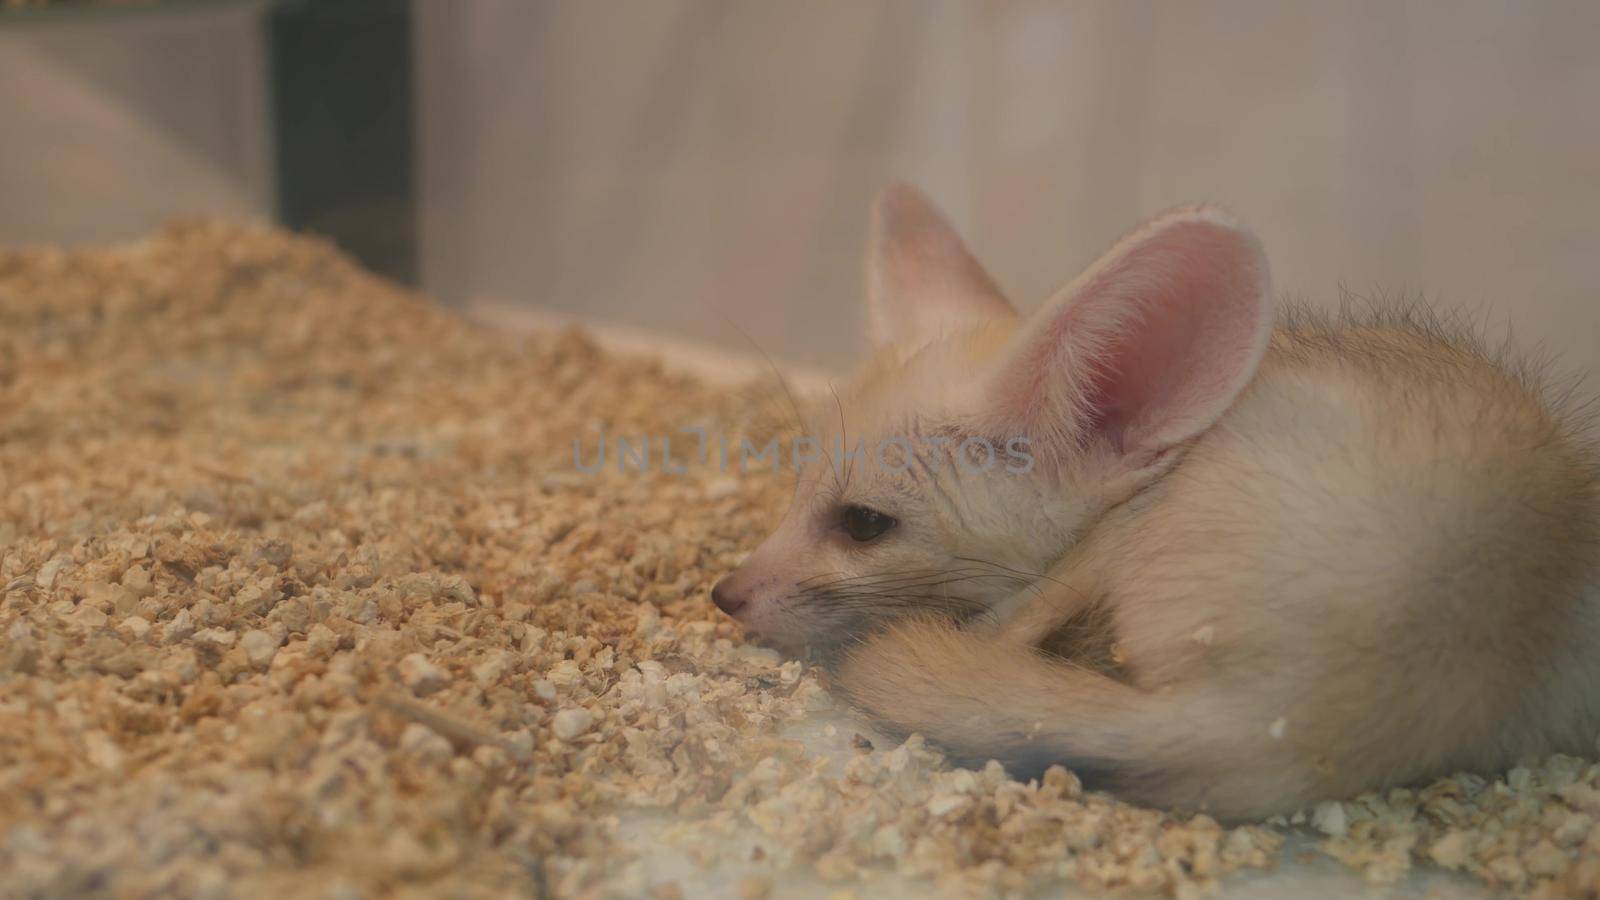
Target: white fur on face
point(1140, 354)
point(965, 540)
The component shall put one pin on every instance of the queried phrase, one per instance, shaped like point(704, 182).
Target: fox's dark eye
point(863, 524)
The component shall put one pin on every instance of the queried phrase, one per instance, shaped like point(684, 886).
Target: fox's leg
point(1035, 613)
point(1079, 580)
point(980, 698)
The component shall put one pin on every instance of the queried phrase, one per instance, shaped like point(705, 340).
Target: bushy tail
point(981, 698)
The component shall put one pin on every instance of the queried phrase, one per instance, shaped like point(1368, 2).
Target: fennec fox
point(1225, 567)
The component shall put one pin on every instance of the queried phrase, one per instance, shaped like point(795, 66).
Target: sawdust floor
point(302, 595)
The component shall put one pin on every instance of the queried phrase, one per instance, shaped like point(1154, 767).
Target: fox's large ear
point(1147, 348)
point(920, 278)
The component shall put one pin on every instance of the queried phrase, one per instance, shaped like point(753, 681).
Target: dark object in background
point(342, 110)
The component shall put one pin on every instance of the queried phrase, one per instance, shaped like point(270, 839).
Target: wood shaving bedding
point(1536, 831)
point(303, 594)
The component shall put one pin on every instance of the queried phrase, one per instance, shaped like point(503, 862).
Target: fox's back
point(1413, 519)
point(1308, 557)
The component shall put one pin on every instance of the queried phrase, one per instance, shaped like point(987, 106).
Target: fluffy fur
point(1375, 561)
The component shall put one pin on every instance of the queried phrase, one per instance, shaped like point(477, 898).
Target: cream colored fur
point(1380, 563)
point(1379, 566)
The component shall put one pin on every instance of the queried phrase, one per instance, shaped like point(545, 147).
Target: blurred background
point(698, 168)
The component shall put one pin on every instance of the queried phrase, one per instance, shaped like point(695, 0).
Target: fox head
point(975, 447)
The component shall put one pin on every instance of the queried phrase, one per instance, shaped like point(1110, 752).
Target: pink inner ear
point(1152, 344)
point(1179, 364)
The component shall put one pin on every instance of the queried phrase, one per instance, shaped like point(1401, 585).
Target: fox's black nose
point(725, 599)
